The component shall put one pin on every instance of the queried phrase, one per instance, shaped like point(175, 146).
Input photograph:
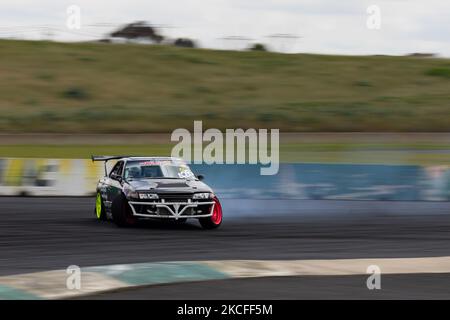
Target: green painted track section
point(158, 273)
point(8, 293)
point(139, 274)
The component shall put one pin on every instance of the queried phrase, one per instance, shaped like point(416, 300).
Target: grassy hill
point(87, 87)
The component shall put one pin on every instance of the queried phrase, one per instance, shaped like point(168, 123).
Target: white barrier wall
point(49, 177)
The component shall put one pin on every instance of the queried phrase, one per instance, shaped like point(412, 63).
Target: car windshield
point(150, 169)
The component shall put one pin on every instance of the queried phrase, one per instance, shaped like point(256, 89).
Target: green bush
point(362, 83)
point(439, 72)
point(258, 47)
point(76, 93)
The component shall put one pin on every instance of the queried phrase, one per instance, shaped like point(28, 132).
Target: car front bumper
point(172, 209)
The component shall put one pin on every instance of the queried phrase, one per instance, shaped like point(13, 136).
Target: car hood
point(169, 185)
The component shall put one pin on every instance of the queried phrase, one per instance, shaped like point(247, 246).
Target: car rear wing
point(105, 159)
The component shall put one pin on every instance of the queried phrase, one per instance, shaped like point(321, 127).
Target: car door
point(114, 186)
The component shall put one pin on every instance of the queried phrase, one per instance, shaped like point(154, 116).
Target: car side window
point(117, 169)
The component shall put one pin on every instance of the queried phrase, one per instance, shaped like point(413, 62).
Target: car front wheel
point(122, 213)
point(215, 220)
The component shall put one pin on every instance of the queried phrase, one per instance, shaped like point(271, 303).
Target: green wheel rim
point(98, 206)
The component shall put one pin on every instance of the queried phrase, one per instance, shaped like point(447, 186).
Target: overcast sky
point(322, 26)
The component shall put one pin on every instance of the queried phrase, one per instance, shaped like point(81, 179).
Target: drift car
point(154, 188)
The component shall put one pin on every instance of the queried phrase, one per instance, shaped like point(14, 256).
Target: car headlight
point(130, 193)
point(148, 196)
point(202, 195)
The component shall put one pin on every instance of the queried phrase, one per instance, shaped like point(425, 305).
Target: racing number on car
point(185, 173)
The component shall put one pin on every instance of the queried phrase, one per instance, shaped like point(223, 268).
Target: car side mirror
point(200, 177)
point(116, 177)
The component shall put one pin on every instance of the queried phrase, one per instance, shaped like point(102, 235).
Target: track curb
point(98, 279)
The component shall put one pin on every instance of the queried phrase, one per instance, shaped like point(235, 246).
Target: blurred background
point(360, 92)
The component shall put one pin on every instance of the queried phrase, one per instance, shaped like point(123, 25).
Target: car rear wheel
point(99, 208)
point(122, 213)
point(215, 220)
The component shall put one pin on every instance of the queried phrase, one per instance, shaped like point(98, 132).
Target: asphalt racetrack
point(39, 234)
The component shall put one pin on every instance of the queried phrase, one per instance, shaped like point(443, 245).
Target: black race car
point(154, 187)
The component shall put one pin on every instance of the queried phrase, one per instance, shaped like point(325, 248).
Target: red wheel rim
point(216, 217)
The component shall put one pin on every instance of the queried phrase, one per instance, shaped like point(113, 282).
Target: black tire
point(102, 216)
point(206, 223)
point(121, 213)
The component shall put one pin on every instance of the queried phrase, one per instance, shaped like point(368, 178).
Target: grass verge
point(126, 88)
point(419, 154)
